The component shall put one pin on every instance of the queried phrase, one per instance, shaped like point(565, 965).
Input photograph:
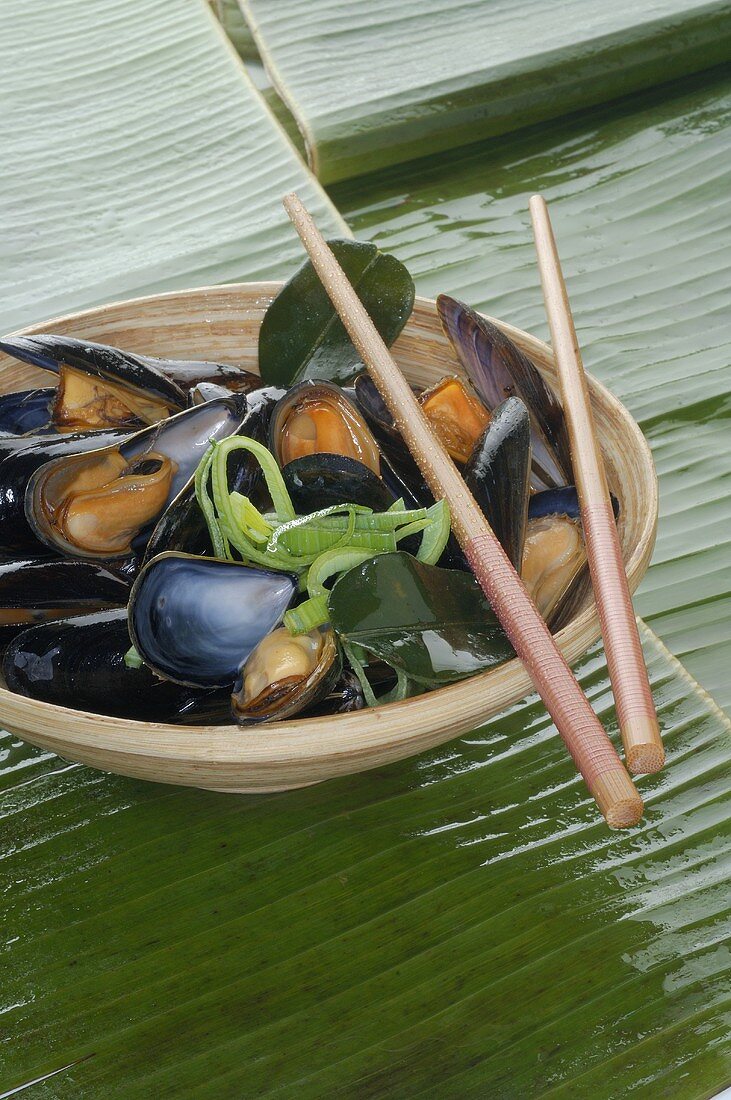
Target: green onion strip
point(315, 547)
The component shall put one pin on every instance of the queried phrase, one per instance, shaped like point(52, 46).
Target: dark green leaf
point(302, 336)
point(434, 624)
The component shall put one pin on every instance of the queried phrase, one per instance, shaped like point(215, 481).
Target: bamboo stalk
point(591, 749)
point(636, 713)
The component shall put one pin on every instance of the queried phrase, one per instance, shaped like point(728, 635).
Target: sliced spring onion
point(436, 536)
point(132, 658)
point(307, 615)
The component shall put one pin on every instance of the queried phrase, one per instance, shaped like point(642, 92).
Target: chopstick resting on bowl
point(643, 748)
point(586, 740)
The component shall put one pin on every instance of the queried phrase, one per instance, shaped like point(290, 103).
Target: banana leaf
point(232, 20)
point(460, 924)
point(137, 157)
point(374, 84)
point(641, 206)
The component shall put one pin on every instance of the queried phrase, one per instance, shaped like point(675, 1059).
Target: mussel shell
point(498, 369)
point(316, 390)
point(168, 380)
point(79, 663)
point(21, 461)
point(34, 590)
point(564, 501)
point(196, 620)
point(25, 411)
point(497, 474)
point(322, 480)
point(283, 699)
point(344, 697)
point(401, 472)
point(182, 438)
point(182, 525)
point(134, 372)
point(190, 374)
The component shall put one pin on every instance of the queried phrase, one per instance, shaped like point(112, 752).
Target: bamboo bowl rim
point(302, 751)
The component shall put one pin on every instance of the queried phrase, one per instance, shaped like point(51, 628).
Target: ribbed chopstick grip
point(586, 740)
point(636, 713)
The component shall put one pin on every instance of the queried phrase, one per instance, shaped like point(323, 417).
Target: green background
point(461, 924)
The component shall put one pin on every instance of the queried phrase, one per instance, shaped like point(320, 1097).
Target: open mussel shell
point(36, 590)
point(21, 459)
point(99, 386)
point(497, 370)
point(497, 474)
point(25, 411)
point(196, 620)
point(563, 506)
point(322, 480)
point(456, 417)
point(284, 675)
point(400, 470)
point(79, 662)
point(129, 388)
point(316, 417)
point(105, 503)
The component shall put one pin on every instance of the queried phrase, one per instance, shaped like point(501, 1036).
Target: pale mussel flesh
point(326, 451)
point(104, 504)
point(285, 675)
point(102, 386)
point(21, 458)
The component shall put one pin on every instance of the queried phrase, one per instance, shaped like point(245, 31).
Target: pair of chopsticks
point(593, 753)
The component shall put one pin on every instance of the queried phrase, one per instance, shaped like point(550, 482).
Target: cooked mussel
point(498, 369)
point(80, 663)
point(316, 417)
point(34, 590)
point(563, 504)
point(102, 386)
point(284, 675)
point(456, 416)
point(98, 386)
point(196, 620)
point(408, 480)
point(497, 475)
point(104, 504)
point(553, 556)
point(22, 457)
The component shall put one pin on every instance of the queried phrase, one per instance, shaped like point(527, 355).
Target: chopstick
point(636, 713)
point(591, 749)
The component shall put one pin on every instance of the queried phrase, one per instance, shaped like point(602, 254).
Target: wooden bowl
point(221, 323)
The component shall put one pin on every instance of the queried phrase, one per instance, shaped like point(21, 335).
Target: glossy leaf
point(375, 84)
point(642, 214)
point(461, 924)
point(301, 335)
point(434, 624)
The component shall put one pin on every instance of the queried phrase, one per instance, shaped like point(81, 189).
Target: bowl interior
point(221, 323)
